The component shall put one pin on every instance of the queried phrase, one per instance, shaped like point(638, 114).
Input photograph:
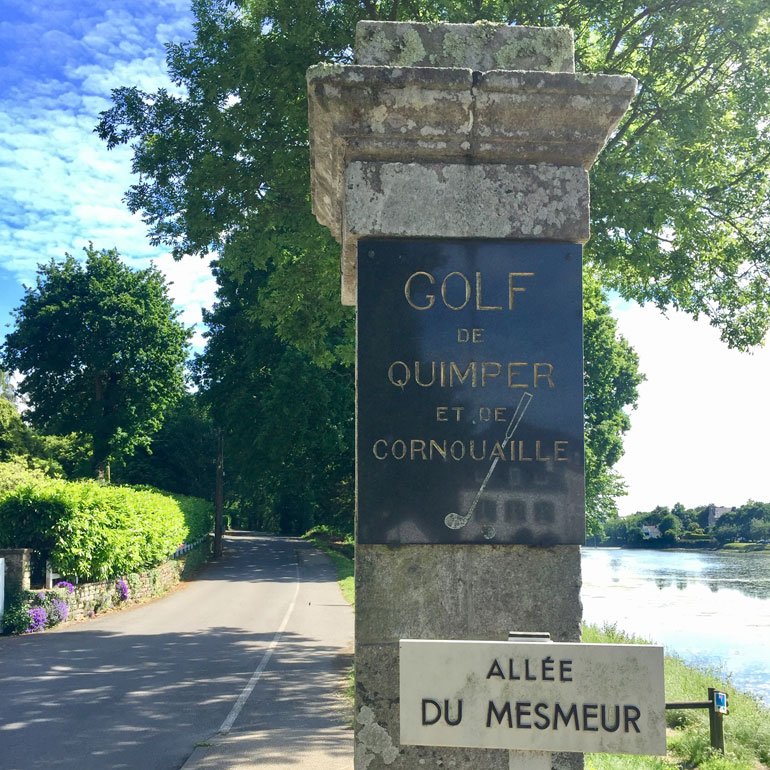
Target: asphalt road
point(140, 688)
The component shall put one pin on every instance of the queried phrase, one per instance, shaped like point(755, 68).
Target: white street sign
point(533, 696)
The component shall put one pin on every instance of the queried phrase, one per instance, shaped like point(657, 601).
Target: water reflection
point(709, 607)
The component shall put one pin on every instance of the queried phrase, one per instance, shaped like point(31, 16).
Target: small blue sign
point(720, 702)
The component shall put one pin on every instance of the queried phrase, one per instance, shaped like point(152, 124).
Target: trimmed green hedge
point(96, 532)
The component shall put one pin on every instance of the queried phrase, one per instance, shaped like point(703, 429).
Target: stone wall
point(92, 598)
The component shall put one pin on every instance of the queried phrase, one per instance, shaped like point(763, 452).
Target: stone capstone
point(481, 46)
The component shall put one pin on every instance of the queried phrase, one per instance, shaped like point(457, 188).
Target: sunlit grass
point(747, 726)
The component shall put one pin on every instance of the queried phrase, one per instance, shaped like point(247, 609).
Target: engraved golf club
point(454, 520)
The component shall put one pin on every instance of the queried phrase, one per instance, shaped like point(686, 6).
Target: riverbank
point(685, 546)
point(747, 727)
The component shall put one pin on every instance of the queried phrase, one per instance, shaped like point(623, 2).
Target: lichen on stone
point(324, 69)
point(373, 739)
point(457, 43)
point(410, 49)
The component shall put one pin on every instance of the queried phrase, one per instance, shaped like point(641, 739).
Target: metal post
point(716, 724)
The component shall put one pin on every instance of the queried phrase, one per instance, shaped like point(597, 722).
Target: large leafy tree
point(680, 203)
point(101, 352)
point(680, 211)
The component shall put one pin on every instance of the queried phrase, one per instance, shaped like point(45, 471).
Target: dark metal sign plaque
point(470, 392)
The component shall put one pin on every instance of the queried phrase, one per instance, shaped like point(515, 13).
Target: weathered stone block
point(480, 46)
point(466, 592)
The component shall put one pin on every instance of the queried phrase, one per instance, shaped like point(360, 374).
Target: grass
point(339, 548)
point(747, 726)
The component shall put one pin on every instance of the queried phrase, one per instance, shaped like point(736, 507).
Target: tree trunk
point(219, 498)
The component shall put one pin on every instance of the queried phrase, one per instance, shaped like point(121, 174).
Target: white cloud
point(700, 433)
point(59, 185)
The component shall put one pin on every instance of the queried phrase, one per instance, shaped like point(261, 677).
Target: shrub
point(99, 532)
point(16, 619)
point(15, 473)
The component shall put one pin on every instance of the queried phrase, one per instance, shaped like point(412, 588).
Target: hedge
point(96, 532)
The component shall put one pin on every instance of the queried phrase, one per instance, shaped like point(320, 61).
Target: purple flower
point(38, 618)
point(122, 588)
point(59, 611)
point(65, 584)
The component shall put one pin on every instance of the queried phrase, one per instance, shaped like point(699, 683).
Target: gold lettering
point(417, 446)
point(500, 414)
point(455, 370)
point(452, 450)
point(537, 453)
point(479, 306)
point(477, 335)
point(441, 449)
point(432, 374)
point(458, 410)
point(497, 452)
point(463, 335)
point(513, 289)
point(483, 449)
point(401, 449)
point(408, 290)
point(547, 376)
point(467, 291)
point(485, 414)
point(403, 380)
point(558, 449)
point(441, 414)
point(443, 375)
point(522, 458)
point(374, 448)
point(485, 374)
point(512, 374)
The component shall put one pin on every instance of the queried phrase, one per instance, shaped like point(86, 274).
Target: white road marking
point(249, 688)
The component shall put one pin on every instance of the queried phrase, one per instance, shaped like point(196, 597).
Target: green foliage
point(749, 522)
point(17, 473)
point(287, 423)
point(611, 377)
point(98, 532)
point(181, 456)
point(225, 170)
point(101, 352)
point(680, 197)
point(15, 618)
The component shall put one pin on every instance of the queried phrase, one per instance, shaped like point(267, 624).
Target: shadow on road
point(92, 699)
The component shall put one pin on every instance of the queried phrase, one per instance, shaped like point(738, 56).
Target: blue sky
point(59, 186)
point(699, 435)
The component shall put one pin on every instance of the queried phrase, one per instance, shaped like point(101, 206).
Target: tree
point(181, 455)
point(670, 526)
point(680, 195)
point(287, 424)
point(101, 352)
point(611, 378)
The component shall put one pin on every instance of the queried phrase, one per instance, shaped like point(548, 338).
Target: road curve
point(139, 689)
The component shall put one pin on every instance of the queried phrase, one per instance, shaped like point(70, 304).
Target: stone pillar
point(455, 131)
point(17, 568)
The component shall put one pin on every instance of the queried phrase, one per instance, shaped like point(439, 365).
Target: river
point(708, 607)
